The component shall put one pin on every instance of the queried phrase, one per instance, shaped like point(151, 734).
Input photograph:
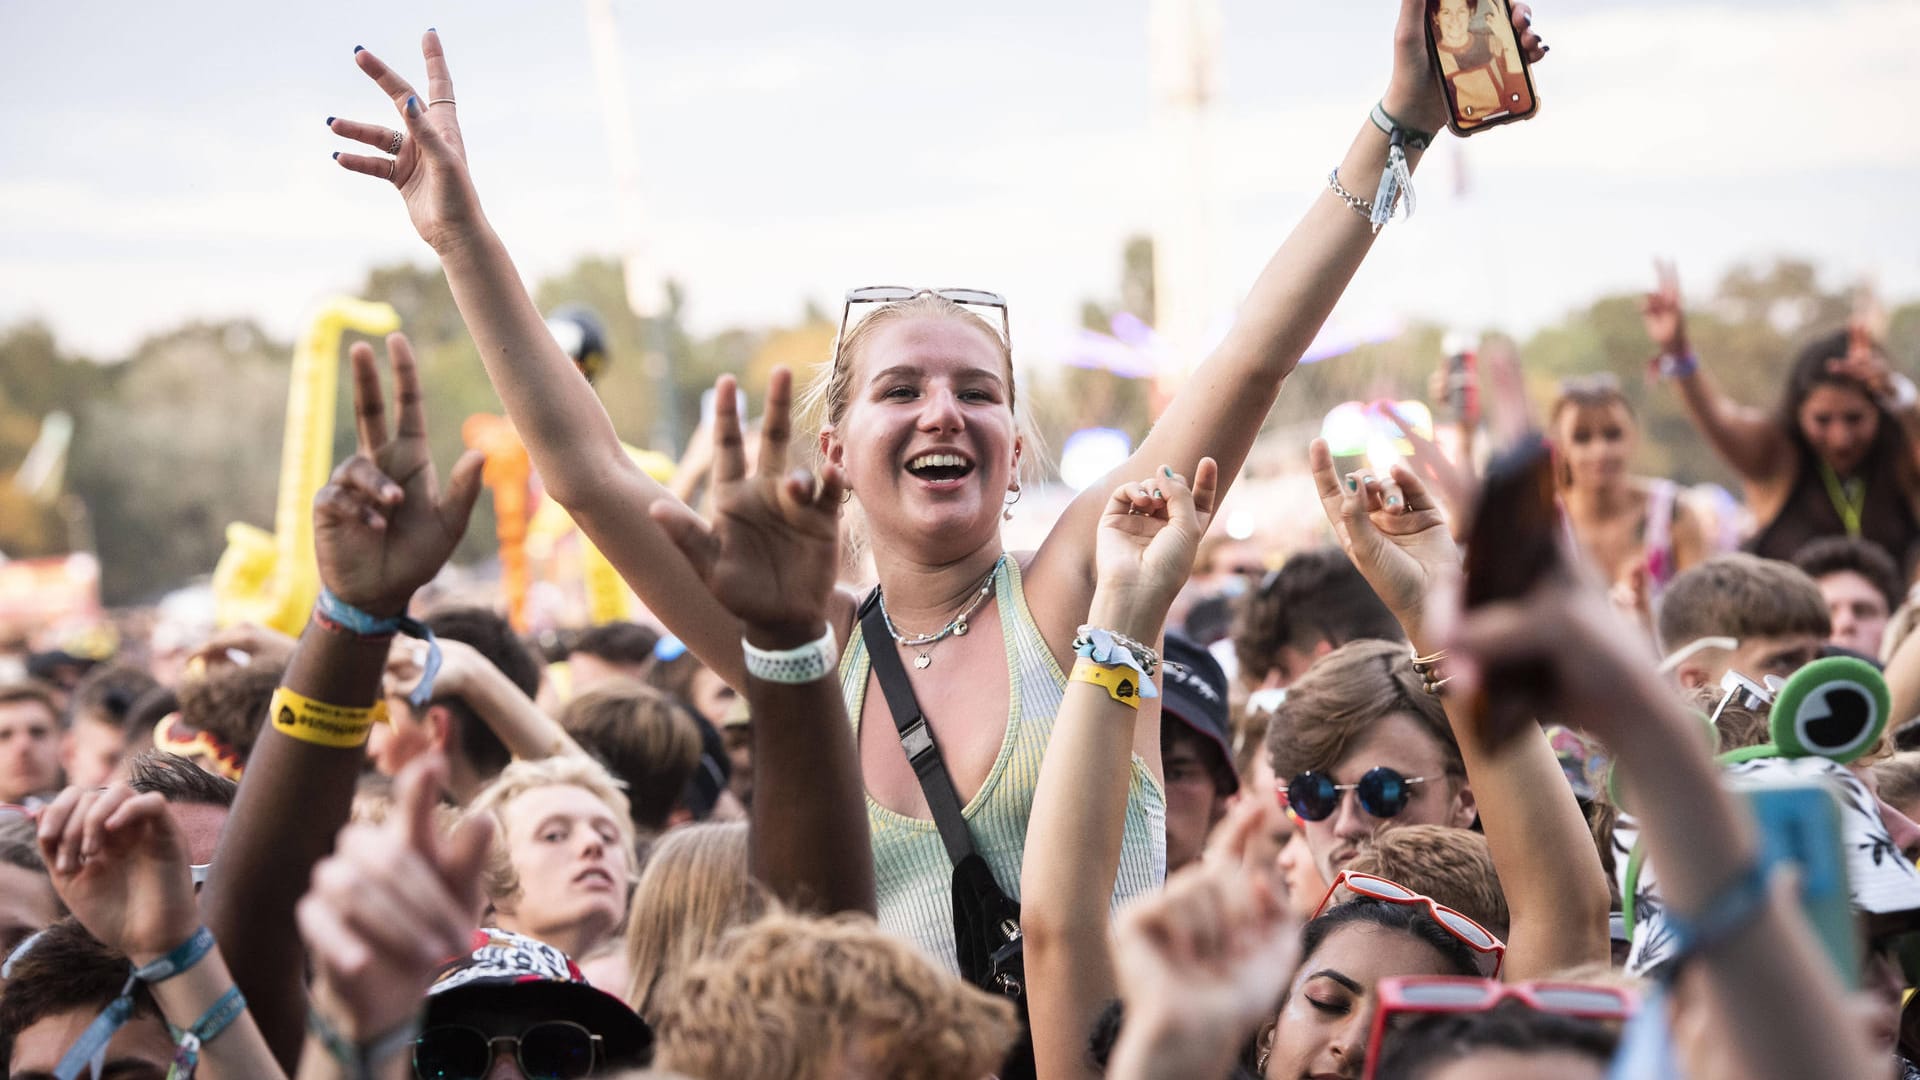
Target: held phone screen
point(1800, 824)
point(1481, 65)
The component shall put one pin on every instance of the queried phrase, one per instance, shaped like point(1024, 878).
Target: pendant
point(921, 661)
point(960, 627)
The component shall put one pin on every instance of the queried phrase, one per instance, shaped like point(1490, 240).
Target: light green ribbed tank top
point(911, 866)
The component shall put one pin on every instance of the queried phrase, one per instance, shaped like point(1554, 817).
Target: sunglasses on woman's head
point(1470, 933)
point(549, 1050)
point(899, 294)
point(1382, 792)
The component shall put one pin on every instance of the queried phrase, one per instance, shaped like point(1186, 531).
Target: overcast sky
point(165, 161)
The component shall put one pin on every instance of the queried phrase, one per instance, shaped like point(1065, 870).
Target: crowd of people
point(873, 797)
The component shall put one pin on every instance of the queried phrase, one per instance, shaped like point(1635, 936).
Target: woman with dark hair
point(1328, 1011)
point(1836, 458)
point(1636, 530)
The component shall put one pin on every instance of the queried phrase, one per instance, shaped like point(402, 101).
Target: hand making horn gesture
point(772, 553)
point(425, 158)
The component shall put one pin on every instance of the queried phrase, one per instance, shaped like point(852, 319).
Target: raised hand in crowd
point(1396, 535)
point(525, 729)
point(1769, 979)
point(1203, 963)
point(771, 557)
point(242, 645)
point(1664, 313)
point(392, 903)
point(119, 863)
point(1144, 553)
point(383, 527)
point(427, 161)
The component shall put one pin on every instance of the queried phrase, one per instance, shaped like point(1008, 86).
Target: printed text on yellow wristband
point(322, 724)
point(1119, 681)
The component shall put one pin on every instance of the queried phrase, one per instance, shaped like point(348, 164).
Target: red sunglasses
point(1413, 994)
point(1470, 933)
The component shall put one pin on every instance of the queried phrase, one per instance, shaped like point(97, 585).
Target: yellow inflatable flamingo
point(271, 578)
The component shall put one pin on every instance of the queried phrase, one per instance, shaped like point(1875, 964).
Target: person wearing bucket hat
point(512, 996)
point(1196, 750)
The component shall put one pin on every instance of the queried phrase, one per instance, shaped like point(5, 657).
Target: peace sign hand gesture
point(427, 160)
point(772, 553)
point(1393, 531)
point(382, 527)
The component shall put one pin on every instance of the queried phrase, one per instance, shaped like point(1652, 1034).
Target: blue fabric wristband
point(1736, 905)
point(89, 1051)
point(355, 621)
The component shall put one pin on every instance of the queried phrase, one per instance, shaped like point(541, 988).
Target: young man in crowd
point(29, 743)
point(95, 739)
point(1312, 605)
point(1740, 613)
point(1360, 720)
point(1194, 748)
point(1861, 585)
point(450, 722)
point(197, 800)
point(56, 989)
point(615, 650)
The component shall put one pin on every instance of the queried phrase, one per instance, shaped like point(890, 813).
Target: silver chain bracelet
point(1354, 202)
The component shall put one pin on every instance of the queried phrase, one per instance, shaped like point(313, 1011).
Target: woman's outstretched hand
point(382, 527)
point(1663, 313)
point(1148, 536)
point(425, 157)
point(1413, 94)
point(1393, 531)
point(772, 552)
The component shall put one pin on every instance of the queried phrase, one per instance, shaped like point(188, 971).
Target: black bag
point(986, 921)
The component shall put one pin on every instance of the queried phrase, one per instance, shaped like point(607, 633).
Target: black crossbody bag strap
point(916, 737)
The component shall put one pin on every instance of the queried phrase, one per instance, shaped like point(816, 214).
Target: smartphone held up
point(1481, 65)
point(1516, 543)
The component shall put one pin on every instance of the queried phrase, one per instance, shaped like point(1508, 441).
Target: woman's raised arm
point(1745, 437)
point(561, 420)
point(1222, 407)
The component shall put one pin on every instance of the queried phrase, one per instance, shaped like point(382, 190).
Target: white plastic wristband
point(808, 663)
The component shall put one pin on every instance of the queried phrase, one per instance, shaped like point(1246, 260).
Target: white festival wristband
point(807, 663)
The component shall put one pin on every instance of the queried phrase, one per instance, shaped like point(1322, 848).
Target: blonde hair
point(694, 889)
point(829, 391)
point(501, 880)
point(800, 998)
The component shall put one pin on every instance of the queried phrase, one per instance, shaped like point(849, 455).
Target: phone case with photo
point(1487, 80)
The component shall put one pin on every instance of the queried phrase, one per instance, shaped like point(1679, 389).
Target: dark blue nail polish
point(431, 30)
point(359, 48)
point(1353, 484)
point(336, 155)
point(330, 121)
point(413, 106)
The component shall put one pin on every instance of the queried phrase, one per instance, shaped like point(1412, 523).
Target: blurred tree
point(184, 438)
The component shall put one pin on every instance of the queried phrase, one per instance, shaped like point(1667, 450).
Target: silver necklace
point(922, 644)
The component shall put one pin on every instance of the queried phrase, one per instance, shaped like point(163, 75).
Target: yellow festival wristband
point(1120, 682)
point(322, 724)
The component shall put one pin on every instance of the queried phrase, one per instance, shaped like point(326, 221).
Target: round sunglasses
point(549, 1050)
point(1382, 792)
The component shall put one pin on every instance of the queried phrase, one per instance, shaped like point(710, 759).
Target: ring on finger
point(390, 167)
point(394, 146)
